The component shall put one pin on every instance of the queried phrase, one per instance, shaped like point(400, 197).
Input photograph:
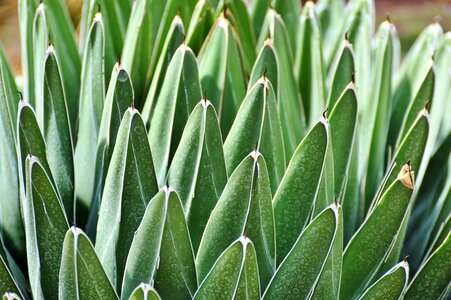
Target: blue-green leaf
point(201, 21)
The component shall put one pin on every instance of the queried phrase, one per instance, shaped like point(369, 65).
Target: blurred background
point(409, 16)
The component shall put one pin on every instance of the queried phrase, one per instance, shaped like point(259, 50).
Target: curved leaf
point(298, 273)
point(432, 280)
point(221, 72)
point(297, 193)
point(179, 94)
point(244, 208)
point(45, 227)
point(369, 247)
point(92, 95)
point(173, 41)
point(289, 11)
point(234, 274)
point(391, 285)
point(161, 251)
point(144, 292)
point(199, 25)
point(7, 282)
point(257, 126)
point(198, 171)
point(81, 275)
point(129, 185)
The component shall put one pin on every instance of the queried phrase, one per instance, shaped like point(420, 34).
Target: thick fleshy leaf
point(309, 65)
point(330, 16)
point(373, 241)
point(129, 185)
point(221, 72)
point(374, 135)
point(161, 251)
point(116, 14)
point(328, 285)
point(290, 11)
point(432, 280)
point(298, 273)
point(81, 275)
point(422, 97)
point(257, 126)
point(412, 73)
point(137, 51)
point(201, 21)
point(291, 110)
point(179, 94)
point(257, 12)
point(343, 119)
point(198, 173)
point(26, 10)
point(391, 285)
point(297, 193)
point(45, 227)
point(40, 46)
point(11, 227)
point(244, 208)
point(92, 95)
point(62, 34)
point(173, 41)
point(234, 275)
point(144, 292)
point(57, 132)
point(341, 74)
point(7, 282)
point(236, 12)
point(117, 100)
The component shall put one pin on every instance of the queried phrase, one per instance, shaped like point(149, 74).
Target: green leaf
point(432, 280)
point(257, 13)
point(257, 126)
point(291, 110)
point(179, 94)
point(420, 100)
point(391, 285)
point(298, 273)
point(331, 19)
point(137, 51)
point(369, 247)
point(81, 275)
point(91, 105)
point(7, 282)
point(289, 11)
point(116, 14)
point(62, 34)
point(173, 40)
point(234, 275)
point(328, 285)
point(198, 171)
point(374, 135)
point(45, 227)
point(161, 251)
point(11, 227)
point(26, 10)
point(221, 72)
point(236, 12)
point(412, 73)
point(201, 21)
point(309, 64)
point(57, 132)
point(144, 292)
point(343, 123)
point(297, 193)
point(117, 100)
point(341, 74)
point(40, 47)
point(129, 185)
point(244, 208)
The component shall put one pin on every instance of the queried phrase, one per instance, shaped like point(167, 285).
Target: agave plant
point(224, 149)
